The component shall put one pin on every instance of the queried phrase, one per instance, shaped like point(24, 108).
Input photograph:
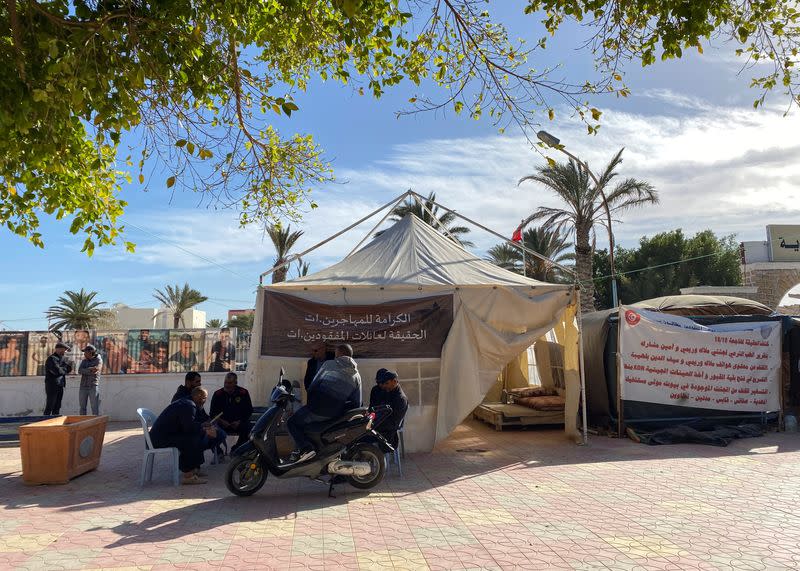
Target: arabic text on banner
point(667, 359)
point(406, 328)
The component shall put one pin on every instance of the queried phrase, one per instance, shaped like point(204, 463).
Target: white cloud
point(679, 100)
point(729, 169)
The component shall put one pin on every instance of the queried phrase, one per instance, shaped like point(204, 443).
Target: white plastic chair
point(148, 417)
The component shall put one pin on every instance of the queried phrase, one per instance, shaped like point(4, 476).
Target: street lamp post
point(555, 143)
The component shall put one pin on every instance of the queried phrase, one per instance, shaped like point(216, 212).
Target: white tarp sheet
point(673, 360)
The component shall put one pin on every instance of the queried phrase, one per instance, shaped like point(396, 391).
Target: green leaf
point(180, 142)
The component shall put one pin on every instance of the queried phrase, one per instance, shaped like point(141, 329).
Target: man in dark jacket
point(318, 356)
point(335, 390)
point(387, 390)
point(178, 426)
point(56, 369)
point(191, 381)
point(234, 403)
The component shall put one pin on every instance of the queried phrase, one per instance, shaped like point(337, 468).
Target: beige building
point(152, 318)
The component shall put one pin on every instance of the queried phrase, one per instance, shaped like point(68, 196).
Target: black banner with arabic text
point(408, 328)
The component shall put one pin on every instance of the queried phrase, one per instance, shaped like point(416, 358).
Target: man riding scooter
point(336, 388)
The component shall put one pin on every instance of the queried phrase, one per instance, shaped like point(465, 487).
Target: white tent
point(497, 314)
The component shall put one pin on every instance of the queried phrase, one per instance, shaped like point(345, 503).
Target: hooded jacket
point(336, 388)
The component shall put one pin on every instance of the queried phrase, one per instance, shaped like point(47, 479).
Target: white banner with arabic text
point(672, 360)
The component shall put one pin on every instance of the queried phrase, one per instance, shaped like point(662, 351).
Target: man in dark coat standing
point(234, 403)
point(387, 390)
point(177, 426)
point(56, 369)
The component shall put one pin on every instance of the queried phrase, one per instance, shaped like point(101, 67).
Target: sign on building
point(783, 241)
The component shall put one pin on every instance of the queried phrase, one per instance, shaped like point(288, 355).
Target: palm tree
point(177, 300)
point(506, 256)
point(284, 240)
point(584, 208)
point(302, 268)
point(243, 322)
point(214, 323)
point(76, 310)
point(412, 206)
point(549, 243)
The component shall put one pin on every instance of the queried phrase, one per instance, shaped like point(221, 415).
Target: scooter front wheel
point(372, 455)
point(245, 475)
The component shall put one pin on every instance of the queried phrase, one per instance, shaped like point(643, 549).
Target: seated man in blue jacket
point(191, 381)
point(177, 426)
point(335, 390)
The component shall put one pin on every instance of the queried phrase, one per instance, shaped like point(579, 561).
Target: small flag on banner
point(517, 235)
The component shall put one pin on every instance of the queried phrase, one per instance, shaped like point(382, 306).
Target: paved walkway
point(482, 500)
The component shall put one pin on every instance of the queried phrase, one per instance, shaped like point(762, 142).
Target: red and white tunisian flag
point(673, 360)
point(517, 235)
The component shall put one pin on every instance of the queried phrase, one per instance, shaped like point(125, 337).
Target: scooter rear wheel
point(376, 459)
point(245, 475)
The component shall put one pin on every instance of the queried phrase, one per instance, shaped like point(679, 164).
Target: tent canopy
point(411, 252)
point(688, 305)
point(497, 313)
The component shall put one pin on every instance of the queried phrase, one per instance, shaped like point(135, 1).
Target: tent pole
point(326, 240)
point(524, 262)
point(583, 372)
point(503, 238)
point(620, 422)
point(371, 232)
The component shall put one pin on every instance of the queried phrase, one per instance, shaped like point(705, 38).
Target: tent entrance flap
point(489, 329)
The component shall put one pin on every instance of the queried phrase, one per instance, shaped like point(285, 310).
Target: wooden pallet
point(500, 415)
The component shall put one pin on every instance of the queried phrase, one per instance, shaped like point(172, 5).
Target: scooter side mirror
point(283, 373)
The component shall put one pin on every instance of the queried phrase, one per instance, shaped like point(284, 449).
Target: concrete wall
point(120, 395)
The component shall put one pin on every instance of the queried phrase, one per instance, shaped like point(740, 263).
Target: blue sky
point(689, 128)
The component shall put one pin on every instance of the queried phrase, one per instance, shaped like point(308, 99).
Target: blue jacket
point(180, 417)
point(336, 388)
point(184, 393)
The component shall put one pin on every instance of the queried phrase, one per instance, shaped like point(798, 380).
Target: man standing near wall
point(56, 368)
point(89, 370)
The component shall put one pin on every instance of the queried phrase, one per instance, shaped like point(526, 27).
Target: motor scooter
point(347, 448)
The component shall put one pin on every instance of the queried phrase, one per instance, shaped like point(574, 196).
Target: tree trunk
point(583, 267)
point(279, 275)
point(176, 320)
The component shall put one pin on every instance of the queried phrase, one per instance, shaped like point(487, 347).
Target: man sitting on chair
point(177, 426)
point(191, 381)
point(233, 402)
point(387, 391)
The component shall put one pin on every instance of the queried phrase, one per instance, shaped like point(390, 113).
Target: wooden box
point(60, 448)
